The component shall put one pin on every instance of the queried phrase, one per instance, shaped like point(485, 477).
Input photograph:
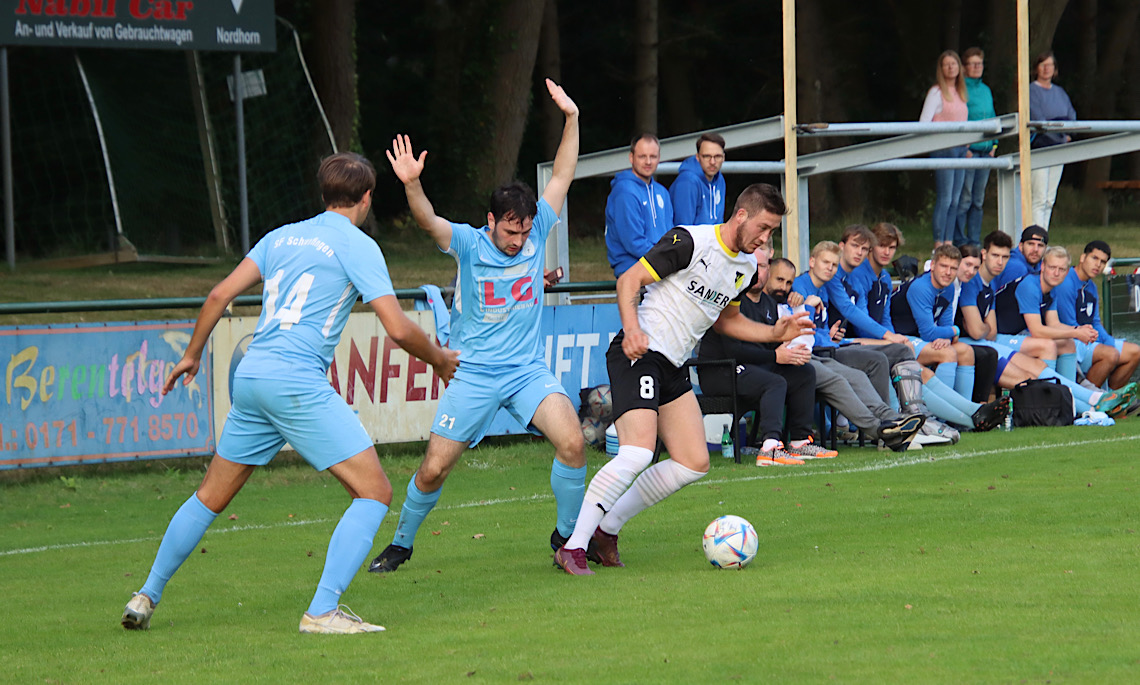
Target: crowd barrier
point(91, 393)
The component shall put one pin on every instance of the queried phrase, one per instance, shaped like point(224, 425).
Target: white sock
point(769, 445)
point(607, 485)
point(658, 482)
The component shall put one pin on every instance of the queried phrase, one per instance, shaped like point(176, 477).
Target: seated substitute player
point(982, 326)
point(924, 310)
point(1027, 308)
point(770, 379)
point(495, 325)
point(694, 278)
point(847, 389)
point(1026, 258)
point(823, 264)
point(844, 296)
point(281, 392)
point(979, 325)
point(1078, 303)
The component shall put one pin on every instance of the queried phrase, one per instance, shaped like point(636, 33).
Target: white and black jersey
point(696, 276)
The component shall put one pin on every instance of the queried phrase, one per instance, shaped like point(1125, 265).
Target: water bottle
point(726, 443)
point(1008, 425)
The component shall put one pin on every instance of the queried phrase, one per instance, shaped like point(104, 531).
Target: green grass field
point(1011, 557)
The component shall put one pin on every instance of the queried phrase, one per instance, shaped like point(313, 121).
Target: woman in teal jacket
point(980, 103)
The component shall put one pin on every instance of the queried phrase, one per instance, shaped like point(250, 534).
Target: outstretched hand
point(792, 327)
point(561, 99)
point(406, 165)
point(187, 366)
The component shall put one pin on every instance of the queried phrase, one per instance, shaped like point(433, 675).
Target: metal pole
point(1023, 111)
point(243, 194)
point(6, 143)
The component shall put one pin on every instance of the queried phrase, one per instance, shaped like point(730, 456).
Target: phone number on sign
point(116, 430)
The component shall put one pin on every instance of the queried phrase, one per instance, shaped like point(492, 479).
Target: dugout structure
point(151, 155)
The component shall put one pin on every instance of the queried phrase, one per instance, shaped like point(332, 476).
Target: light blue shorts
point(475, 395)
point(1003, 351)
point(1085, 352)
point(1013, 342)
point(919, 343)
point(312, 418)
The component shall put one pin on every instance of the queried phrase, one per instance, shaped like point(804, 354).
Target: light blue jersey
point(313, 272)
point(498, 298)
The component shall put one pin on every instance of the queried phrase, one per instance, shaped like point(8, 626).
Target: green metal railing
point(240, 301)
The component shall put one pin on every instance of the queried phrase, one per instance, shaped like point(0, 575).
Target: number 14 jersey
point(313, 272)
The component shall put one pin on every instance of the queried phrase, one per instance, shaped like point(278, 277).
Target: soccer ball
point(594, 431)
point(730, 542)
point(599, 404)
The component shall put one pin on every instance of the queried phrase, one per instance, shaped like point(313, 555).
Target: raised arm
point(408, 169)
point(242, 278)
point(566, 159)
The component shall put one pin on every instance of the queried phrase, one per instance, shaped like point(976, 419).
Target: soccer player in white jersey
point(313, 271)
point(694, 277)
point(495, 326)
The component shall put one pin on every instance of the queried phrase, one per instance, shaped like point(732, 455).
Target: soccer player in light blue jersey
point(1107, 359)
point(313, 272)
point(495, 325)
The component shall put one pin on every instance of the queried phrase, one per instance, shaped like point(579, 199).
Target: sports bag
point(1041, 402)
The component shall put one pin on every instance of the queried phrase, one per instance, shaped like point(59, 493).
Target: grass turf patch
point(1008, 557)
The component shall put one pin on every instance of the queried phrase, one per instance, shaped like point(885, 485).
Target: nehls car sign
point(228, 25)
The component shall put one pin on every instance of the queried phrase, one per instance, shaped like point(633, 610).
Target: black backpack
point(1041, 402)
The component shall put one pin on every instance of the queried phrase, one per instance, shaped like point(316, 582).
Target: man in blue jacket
point(698, 190)
point(638, 210)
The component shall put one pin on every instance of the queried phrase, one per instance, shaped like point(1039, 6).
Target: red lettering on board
point(367, 373)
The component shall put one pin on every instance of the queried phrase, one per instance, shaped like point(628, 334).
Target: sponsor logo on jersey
point(707, 294)
point(660, 202)
point(739, 280)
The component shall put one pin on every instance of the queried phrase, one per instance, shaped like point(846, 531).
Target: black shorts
point(647, 383)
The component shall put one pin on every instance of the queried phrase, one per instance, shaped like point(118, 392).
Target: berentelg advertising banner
point(227, 25)
point(93, 392)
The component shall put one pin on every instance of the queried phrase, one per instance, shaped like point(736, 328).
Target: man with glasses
point(698, 191)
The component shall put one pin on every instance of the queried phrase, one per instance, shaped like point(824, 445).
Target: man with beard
point(843, 387)
point(771, 378)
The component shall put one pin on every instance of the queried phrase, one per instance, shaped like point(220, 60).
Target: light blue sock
point(416, 507)
point(943, 409)
point(1051, 363)
point(964, 381)
point(569, 486)
point(350, 544)
point(946, 372)
point(182, 536)
point(1081, 395)
point(893, 397)
point(1067, 366)
point(947, 394)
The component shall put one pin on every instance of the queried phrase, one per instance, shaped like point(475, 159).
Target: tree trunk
point(952, 26)
point(1044, 15)
point(1109, 77)
point(645, 66)
point(333, 61)
point(550, 66)
point(515, 47)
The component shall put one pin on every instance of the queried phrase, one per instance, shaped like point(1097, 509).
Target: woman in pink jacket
point(946, 101)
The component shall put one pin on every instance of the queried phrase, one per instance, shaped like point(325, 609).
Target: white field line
point(771, 473)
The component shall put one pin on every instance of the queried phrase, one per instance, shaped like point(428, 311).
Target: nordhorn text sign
point(228, 25)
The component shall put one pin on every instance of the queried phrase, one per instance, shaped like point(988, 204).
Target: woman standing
point(946, 101)
point(968, 227)
point(1047, 102)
